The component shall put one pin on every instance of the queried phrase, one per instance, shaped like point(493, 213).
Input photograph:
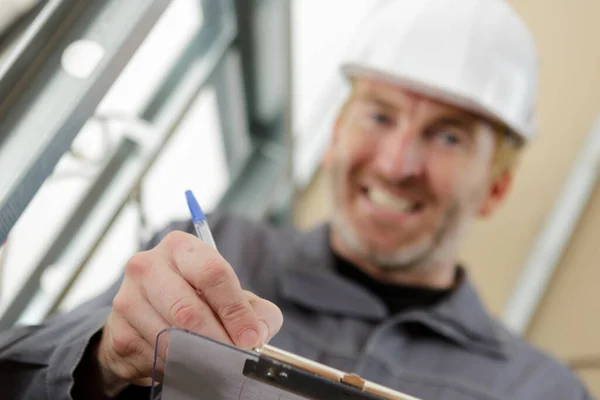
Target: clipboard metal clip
point(317, 381)
point(354, 380)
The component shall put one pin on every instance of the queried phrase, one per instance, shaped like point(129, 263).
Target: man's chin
point(408, 256)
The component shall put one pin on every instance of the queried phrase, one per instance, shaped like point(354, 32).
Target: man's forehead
point(397, 94)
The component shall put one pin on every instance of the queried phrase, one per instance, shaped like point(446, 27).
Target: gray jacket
point(453, 350)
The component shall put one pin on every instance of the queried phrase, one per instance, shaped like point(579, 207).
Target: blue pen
point(199, 219)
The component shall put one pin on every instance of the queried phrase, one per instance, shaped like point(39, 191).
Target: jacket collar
point(311, 281)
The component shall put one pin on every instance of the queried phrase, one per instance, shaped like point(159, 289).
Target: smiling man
point(442, 101)
point(409, 174)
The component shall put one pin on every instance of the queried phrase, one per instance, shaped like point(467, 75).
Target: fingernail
point(265, 332)
point(249, 338)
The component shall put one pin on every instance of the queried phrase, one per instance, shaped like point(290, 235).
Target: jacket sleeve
point(38, 362)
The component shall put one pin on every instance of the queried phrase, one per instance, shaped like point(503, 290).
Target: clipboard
point(200, 368)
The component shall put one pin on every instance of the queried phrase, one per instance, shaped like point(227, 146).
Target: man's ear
point(497, 193)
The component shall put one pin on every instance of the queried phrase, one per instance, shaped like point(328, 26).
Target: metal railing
point(258, 159)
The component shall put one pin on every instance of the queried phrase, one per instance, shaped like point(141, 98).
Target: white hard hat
point(474, 54)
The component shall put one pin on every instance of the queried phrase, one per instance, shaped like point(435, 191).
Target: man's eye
point(380, 118)
point(448, 138)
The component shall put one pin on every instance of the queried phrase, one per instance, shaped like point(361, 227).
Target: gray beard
point(421, 255)
point(424, 254)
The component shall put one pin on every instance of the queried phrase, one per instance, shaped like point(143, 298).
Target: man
point(442, 100)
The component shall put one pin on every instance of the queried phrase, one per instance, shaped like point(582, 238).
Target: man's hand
point(181, 283)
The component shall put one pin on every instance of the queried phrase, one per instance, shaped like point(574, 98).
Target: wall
point(568, 321)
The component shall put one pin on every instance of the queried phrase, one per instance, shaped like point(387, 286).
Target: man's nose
point(400, 156)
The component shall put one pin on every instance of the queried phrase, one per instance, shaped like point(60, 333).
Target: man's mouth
point(391, 202)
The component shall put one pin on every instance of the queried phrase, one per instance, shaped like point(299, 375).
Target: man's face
point(408, 174)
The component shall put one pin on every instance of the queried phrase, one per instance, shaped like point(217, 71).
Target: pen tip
point(195, 209)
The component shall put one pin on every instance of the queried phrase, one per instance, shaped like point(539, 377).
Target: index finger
point(209, 273)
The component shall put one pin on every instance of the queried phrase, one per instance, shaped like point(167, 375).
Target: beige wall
point(568, 322)
point(569, 319)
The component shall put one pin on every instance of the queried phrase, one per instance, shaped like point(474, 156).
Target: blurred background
point(110, 110)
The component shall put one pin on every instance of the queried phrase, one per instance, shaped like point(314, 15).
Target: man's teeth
point(384, 199)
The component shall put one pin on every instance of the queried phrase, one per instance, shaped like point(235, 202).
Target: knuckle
point(177, 241)
point(214, 273)
point(180, 245)
point(139, 264)
point(185, 315)
point(233, 311)
point(122, 303)
point(126, 345)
